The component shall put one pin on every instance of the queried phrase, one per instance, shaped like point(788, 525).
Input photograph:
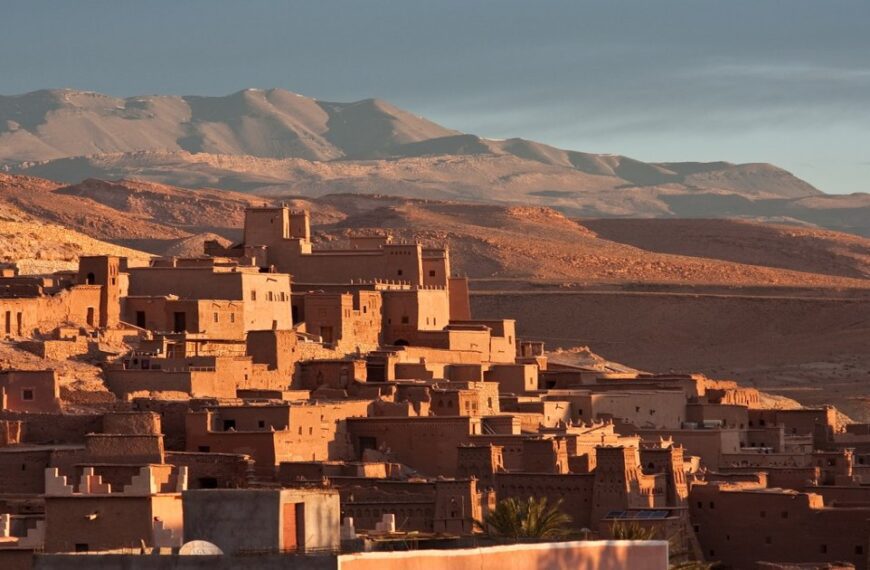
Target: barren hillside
point(771, 245)
point(811, 349)
point(783, 307)
point(486, 241)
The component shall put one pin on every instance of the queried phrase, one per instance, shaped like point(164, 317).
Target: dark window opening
point(81, 547)
point(140, 319)
point(208, 483)
point(366, 442)
point(27, 394)
point(179, 321)
point(229, 424)
point(204, 448)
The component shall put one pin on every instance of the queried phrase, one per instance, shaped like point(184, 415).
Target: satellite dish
point(200, 548)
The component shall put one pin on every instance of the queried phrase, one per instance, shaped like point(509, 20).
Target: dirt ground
point(812, 348)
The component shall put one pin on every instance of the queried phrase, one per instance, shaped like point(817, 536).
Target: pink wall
point(586, 555)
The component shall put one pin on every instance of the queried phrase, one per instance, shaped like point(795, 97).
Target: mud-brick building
point(29, 391)
point(741, 523)
point(226, 300)
point(37, 305)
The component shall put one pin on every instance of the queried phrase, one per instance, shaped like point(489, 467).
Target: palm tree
point(631, 531)
point(691, 565)
point(526, 518)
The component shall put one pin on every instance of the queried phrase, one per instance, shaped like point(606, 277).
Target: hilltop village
point(270, 397)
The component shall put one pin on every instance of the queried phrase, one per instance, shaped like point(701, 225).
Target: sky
point(781, 81)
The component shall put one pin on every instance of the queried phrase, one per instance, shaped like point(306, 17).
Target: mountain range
point(277, 143)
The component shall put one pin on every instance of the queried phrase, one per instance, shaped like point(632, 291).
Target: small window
point(431, 273)
point(859, 549)
point(768, 540)
point(712, 505)
point(763, 514)
point(785, 514)
point(405, 320)
point(208, 483)
point(204, 448)
point(232, 317)
point(823, 548)
point(253, 295)
point(27, 394)
point(400, 272)
point(216, 317)
point(261, 424)
point(81, 547)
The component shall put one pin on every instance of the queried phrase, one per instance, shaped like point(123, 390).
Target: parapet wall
point(55, 428)
point(637, 555)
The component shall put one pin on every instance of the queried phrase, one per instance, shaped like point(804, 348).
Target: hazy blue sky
point(783, 81)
